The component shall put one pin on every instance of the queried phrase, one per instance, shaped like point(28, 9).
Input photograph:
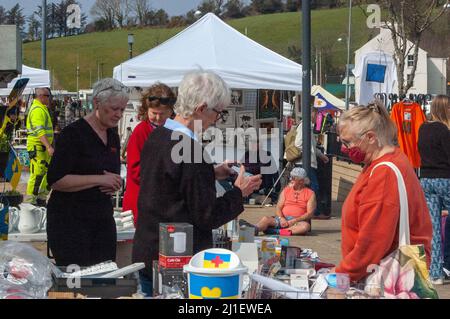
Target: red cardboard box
point(175, 244)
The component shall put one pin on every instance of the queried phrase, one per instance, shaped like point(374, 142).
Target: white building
point(431, 72)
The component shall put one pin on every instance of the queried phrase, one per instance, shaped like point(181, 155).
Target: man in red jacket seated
point(156, 107)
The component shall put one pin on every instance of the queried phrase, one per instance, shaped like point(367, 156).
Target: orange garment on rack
point(408, 117)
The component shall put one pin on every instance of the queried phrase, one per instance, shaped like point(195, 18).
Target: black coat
point(178, 192)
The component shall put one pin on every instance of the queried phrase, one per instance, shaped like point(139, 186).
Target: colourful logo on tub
point(212, 260)
point(206, 287)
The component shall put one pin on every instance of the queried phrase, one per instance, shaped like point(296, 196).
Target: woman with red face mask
point(371, 211)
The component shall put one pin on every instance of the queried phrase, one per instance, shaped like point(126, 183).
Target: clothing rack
point(390, 99)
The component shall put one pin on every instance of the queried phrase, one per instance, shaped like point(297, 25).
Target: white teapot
point(32, 219)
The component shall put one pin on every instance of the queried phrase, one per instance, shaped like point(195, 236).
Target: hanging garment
point(320, 118)
point(408, 117)
point(375, 72)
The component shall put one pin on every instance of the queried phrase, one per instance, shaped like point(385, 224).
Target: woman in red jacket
point(156, 107)
point(371, 211)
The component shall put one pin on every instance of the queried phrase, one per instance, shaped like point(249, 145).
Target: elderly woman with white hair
point(178, 180)
point(295, 208)
point(371, 211)
point(83, 174)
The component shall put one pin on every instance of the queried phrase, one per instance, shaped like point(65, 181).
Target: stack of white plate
point(124, 220)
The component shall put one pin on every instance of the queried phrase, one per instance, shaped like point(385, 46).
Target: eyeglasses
point(219, 115)
point(163, 100)
point(347, 144)
point(113, 88)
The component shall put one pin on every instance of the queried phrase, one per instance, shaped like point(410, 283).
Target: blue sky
point(172, 7)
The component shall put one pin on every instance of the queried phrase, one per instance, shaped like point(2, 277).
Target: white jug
point(179, 242)
point(13, 219)
point(31, 218)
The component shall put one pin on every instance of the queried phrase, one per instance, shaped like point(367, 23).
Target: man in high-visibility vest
point(39, 146)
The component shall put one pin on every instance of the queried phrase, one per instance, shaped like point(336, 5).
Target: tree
point(102, 25)
point(90, 27)
point(34, 28)
point(141, 9)
point(234, 9)
point(190, 17)
point(408, 20)
point(161, 18)
point(149, 18)
point(3, 15)
point(50, 19)
point(176, 21)
point(293, 5)
point(15, 16)
point(214, 6)
point(121, 9)
point(267, 6)
point(257, 5)
point(104, 10)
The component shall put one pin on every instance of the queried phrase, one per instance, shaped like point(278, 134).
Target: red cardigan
point(370, 216)
point(134, 148)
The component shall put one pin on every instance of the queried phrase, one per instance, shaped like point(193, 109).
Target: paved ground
point(325, 239)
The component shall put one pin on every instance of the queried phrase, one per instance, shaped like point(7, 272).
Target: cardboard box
point(168, 277)
point(289, 254)
point(174, 262)
point(175, 244)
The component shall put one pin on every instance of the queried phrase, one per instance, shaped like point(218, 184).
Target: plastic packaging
point(24, 272)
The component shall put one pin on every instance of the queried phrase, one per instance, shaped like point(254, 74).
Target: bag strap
point(404, 237)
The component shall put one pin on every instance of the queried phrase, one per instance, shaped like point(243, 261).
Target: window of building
point(409, 78)
point(410, 60)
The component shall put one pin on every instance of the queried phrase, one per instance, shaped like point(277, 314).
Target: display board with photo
point(228, 118)
point(245, 119)
point(129, 120)
point(269, 104)
point(237, 97)
point(266, 126)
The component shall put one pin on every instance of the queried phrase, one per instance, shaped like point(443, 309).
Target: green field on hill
point(99, 52)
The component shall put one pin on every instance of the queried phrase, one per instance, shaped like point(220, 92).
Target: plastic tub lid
point(217, 261)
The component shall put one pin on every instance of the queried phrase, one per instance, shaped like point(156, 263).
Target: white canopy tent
point(211, 44)
point(38, 78)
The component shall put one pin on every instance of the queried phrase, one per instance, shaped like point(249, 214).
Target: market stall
point(211, 44)
point(257, 75)
point(38, 78)
point(237, 266)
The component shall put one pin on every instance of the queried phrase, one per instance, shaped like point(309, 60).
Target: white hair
point(200, 87)
point(298, 172)
point(107, 88)
point(372, 117)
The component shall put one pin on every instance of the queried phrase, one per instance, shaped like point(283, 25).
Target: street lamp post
point(130, 44)
point(347, 66)
point(306, 86)
point(44, 36)
point(101, 69)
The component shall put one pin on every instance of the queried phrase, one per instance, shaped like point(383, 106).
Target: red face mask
point(355, 153)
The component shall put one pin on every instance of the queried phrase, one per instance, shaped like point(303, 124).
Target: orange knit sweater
point(370, 216)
